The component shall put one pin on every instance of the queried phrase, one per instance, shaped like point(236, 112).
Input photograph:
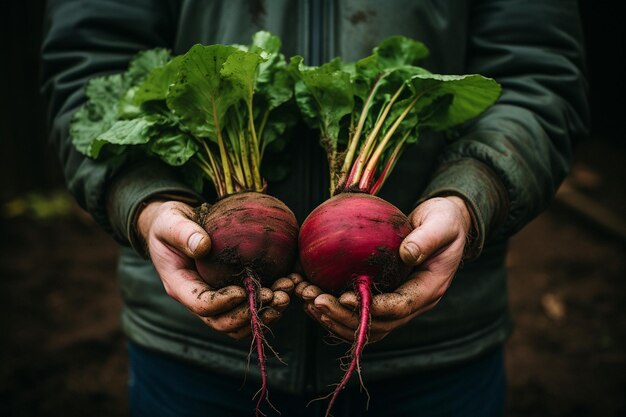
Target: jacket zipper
point(315, 56)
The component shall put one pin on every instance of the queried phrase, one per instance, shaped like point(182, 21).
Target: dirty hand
point(173, 240)
point(435, 247)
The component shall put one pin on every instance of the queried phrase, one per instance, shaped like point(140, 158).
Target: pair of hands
point(435, 247)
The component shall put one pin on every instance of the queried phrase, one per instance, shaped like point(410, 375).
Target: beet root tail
point(363, 288)
point(252, 286)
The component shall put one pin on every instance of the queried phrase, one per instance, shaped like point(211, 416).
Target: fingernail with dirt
point(322, 308)
point(413, 251)
point(308, 293)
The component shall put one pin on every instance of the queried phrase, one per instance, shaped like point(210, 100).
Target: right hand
point(174, 240)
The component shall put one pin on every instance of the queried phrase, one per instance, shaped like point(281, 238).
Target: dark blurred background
point(62, 352)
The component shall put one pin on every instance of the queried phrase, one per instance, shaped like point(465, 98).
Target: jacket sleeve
point(508, 164)
point(88, 38)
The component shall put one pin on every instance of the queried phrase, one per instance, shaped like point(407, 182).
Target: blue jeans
point(163, 386)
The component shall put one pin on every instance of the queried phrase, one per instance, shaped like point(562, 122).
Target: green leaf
point(106, 90)
point(110, 97)
point(430, 107)
point(268, 46)
point(145, 62)
point(240, 69)
point(397, 51)
point(395, 55)
point(174, 147)
point(277, 90)
point(99, 113)
point(126, 107)
point(265, 41)
point(274, 85)
point(124, 132)
point(200, 95)
point(86, 125)
point(325, 95)
point(470, 96)
point(158, 82)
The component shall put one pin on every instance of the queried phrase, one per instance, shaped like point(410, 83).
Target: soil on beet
point(63, 354)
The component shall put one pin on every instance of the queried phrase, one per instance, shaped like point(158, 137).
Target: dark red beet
point(353, 234)
point(250, 230)
point(253, 243)
point(352, 241)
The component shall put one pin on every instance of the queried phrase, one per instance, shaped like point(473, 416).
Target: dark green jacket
point(507, 165)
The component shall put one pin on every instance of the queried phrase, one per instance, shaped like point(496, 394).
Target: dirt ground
point(63, 354)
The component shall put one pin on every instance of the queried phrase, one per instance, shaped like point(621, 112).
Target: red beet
point(248, 230)
point(351, 242)
point(254, 242)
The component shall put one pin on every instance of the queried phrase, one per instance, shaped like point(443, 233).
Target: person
point(439, 337)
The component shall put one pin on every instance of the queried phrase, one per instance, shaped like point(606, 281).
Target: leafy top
point(213, 111)
point(368, 110)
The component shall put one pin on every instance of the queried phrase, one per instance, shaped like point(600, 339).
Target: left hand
point(435, 247)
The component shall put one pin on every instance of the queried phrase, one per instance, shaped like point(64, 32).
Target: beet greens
point(368, 111)
point(213, 111)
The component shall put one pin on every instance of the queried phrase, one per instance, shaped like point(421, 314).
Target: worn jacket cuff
point(482, 191)
point(132, 188)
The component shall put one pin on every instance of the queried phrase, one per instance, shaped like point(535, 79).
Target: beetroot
point(353, 234)
point(352, 241)
point(254, 242)
point(250, 231)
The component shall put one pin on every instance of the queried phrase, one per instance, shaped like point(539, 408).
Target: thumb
point(175, 228)
point(432, 233)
